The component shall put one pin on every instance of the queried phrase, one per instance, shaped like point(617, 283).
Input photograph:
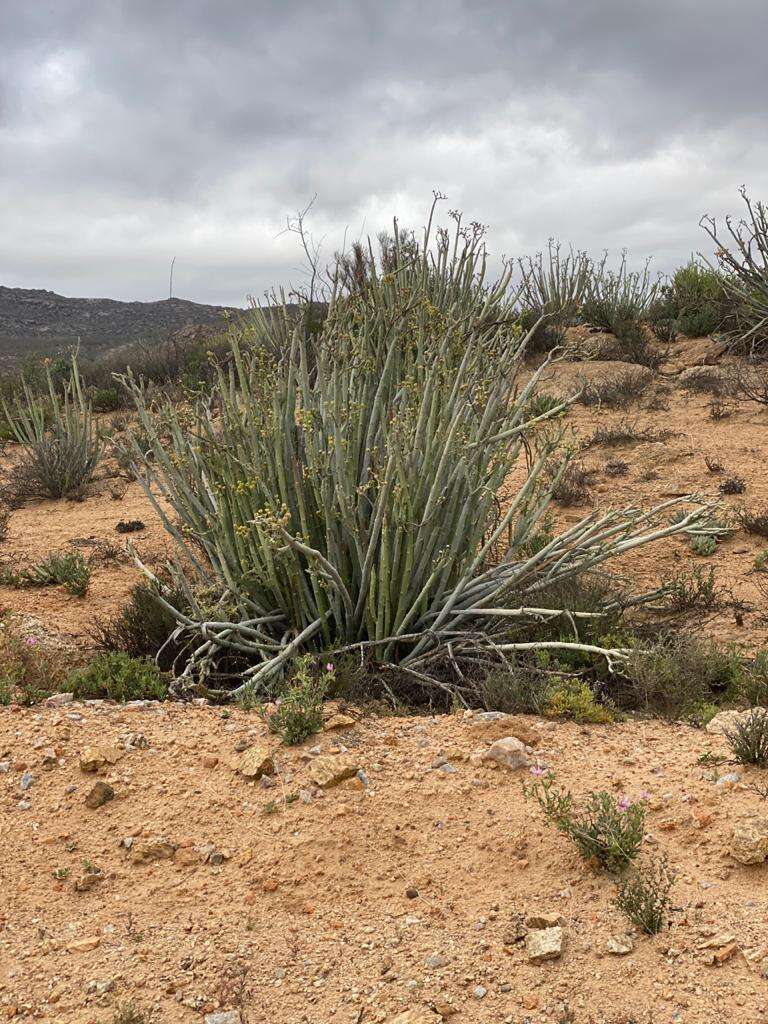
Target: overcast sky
point(132, 131)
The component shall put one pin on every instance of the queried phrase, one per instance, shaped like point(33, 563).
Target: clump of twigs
point(644, 896)
point(748, 738)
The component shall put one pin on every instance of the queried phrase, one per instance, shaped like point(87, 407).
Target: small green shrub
point(700, 299)
point(644, 896)
point(748, 739)
point(68, 568)
point(617, 392)
point(662, 314)
point(752, 686)
point(523, 689)
point(574, 699)
point(754, 522)
point(606, 830)
point(300, 710)
point(119, 677)
point(691, 590)
point(704, 546)
point(675, 676)
point(106, 399)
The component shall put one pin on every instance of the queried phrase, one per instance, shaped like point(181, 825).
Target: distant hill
point(33, 320)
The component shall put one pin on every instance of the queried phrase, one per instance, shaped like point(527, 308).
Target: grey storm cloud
point(134, 131)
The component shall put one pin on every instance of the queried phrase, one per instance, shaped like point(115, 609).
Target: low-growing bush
point(626, 432)
point(691, 590)
point(662, 314)
point(617, 392)
point(522, 689)
point(719, 410)
point(142, 629)
point(753, 521)
point(574, 699)
point(700, 298)
point(676, 675)
point(644, 896)
point(748, 738)
point(572, 483)
point(704, 546)
point(67, 568)
point(29, 669)
point(300, 710)
point(605, 829)
point(117, 676)
point(732, 485)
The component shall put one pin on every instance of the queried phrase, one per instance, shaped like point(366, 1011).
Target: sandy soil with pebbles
point(405, 887)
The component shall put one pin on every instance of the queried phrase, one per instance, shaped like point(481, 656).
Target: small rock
point(339, 722)
point(5, 767)
point(145, 850)
point(479, 992)
point(223, 1017)
point(58, 700)
point(749, 841)
point(543, 921)
point(417, 1015)
point(331, 769)
point(99, 794)
point(726, 721)
point(509, 752)
point(84, 945)
point(436, 961)
point(729, 780)
point(620, 945)
point(255, 762)
point(26, 781)
point(93, 759)
point(544, 944)
point(88, 881)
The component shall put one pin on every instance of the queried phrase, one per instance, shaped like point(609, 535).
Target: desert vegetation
point(391, 534)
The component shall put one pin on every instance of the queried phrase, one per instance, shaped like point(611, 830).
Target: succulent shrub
point(60, 444)
point(553, 287)
point(742, 259)
point(616, 300)
point(338, 490)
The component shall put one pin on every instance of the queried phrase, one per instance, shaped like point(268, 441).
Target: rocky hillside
point(36, 320)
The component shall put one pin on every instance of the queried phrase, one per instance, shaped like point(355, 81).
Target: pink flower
point(624, 803)
point(538, 771)
point(31, 641)
point(329, 667)
point(645, 795)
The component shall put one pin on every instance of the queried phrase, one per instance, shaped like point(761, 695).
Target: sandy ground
point(406, 887)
